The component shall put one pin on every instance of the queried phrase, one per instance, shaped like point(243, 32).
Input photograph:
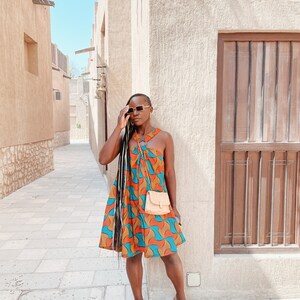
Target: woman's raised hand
point(122, 119)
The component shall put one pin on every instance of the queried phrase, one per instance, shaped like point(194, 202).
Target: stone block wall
point(61, 138)
point(22, 164)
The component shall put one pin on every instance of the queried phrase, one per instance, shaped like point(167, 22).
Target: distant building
point(79, 108)
point(61, 97)
point(224, 78)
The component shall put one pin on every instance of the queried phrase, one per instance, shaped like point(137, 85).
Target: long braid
point(123, 164)
point(123, 161)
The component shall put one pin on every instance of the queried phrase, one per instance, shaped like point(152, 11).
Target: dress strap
point(146, 138)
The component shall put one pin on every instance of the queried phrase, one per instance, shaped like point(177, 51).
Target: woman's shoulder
point(165, 135)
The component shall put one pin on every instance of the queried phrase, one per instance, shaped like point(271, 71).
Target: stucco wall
point(26, 113)
point(140, 46)
point(119, 66)
point(79, 99)
point(183, 65)
point(117, 57)
point(96, 106)
point(26, 99)
point(61, 108)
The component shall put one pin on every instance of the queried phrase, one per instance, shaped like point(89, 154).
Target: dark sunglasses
point(137, 108)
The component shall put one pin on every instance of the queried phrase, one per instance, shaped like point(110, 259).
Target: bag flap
point(159, 198)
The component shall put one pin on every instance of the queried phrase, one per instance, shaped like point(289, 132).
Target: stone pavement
point(49, 233)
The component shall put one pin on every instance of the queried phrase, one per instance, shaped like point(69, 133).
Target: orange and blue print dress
point(153, 235)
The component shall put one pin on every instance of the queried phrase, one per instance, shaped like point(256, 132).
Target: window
point(56, 94)
point(258, 143)
point(30, 55)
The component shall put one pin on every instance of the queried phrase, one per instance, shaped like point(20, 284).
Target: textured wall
point(96, 106)
point(119, 75)
point(79, 133)
point(115, 52)
point(26, 99)
point(61, 138)
point(26, 114)
point(22, 164)
point(171, 46)
point(61, 108)
point(79, 99)
point(183, 62)
point(140, 46)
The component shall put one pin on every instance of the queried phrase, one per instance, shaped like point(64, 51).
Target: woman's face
point(141, 110)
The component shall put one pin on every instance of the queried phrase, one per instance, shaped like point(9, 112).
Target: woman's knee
point(136, 259)
point(171, 258)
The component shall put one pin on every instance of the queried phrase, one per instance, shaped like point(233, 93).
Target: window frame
point(228, 36)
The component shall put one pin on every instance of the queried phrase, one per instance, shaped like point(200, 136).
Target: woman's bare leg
point(175, 273)
point(134, 270)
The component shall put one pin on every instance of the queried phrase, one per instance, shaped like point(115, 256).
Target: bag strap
point(146, 167)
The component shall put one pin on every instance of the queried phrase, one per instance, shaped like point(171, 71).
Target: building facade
point(223, 78)
point(61, 97)
point(26, 130)
point(34, 100)
point(79, 108)
point(112, 49)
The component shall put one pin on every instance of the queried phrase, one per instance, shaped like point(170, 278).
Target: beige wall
point(26, 113)
point(140, 46)
point(79, 99)
point(119, 66)
point(183, 52)
point(173, 54)
point(96, 105)
point(117, 57)
point(26, 99)
point(61, 108)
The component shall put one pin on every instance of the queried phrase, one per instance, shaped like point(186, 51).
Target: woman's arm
point(112, 146)
point(170, 175)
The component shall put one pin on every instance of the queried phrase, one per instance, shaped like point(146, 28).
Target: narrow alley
point(49, 232)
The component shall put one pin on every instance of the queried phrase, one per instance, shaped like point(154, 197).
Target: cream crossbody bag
point(157, 203)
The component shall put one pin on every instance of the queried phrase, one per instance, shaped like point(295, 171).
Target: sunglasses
point(137, 108)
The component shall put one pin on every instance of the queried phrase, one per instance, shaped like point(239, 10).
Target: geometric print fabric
point(153, 235)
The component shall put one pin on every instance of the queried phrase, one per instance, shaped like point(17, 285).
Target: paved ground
point(49, 232)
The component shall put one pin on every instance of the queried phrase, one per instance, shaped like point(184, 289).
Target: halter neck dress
point(153, 235)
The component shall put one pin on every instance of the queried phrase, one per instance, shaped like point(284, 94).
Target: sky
point(71, 30)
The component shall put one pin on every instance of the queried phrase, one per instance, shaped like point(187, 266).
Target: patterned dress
point(153, 235)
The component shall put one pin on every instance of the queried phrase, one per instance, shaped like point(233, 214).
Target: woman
point(127, 228)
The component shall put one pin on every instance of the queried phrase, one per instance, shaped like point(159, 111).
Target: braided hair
point(123, 164)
